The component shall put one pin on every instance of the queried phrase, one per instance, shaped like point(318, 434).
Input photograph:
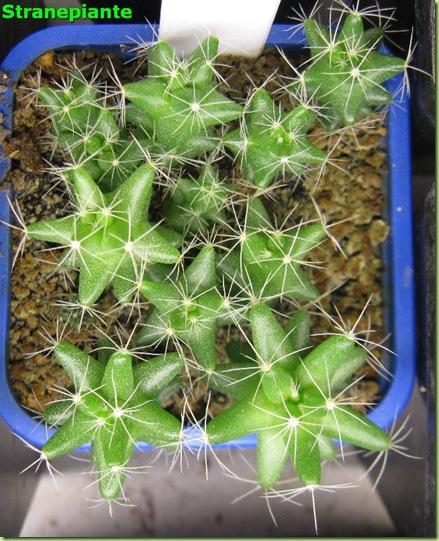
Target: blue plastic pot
point(398, 251)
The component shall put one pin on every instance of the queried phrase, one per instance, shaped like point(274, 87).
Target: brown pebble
point(378, 232)
point(46, 60)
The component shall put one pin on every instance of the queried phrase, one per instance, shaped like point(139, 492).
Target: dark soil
point(350, 194)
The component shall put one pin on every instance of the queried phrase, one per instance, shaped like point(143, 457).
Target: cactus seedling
point(113, 406)
point(272, 259)
point(197, 70)
point(188, 309)
point(182, 122)
point(178, 106)
point(346, 72)
point(294, 401)
point(272, 143)
point(109, 235)
point(89, 133)
point(197, 202)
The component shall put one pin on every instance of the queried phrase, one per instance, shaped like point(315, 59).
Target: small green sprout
point(178, 106)
point(89, 133)
point(196, 203)
point(270, 259)
point(271, 143)
point(293, 398)
point(187, 309)
point(109, 235)
point(113, 406)
point(346, 72)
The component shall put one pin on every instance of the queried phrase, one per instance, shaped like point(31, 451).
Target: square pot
point(398, 280)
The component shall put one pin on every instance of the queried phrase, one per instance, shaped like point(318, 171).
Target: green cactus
point(109, 235)
point(272, 143)
point(346, 72)
point(188, 308)
point(178, 106)
point(89, 133)
point(197, 70)
point(195, 203)
point(113, 406)
point(292, 399)
point(272, 260)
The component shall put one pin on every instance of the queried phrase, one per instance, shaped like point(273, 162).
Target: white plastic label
point(242, 26)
